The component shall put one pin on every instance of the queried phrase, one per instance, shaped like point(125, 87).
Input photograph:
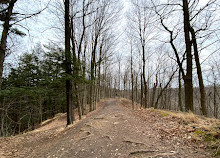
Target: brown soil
point(112, 131)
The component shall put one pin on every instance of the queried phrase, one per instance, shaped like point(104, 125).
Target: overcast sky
point(45, 27)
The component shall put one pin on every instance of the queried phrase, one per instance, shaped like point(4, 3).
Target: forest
point(57, 56)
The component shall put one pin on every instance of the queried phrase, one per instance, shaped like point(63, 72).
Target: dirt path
point(111, 132)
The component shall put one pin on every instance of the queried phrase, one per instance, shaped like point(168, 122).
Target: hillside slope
point(115, 131)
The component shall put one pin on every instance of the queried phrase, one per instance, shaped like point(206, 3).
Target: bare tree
point(5, 31)
point(132, 76)
point(69, 96)
point(140, 21)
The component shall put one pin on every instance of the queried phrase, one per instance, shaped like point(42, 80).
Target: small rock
point(189, 137)
point(201, 145)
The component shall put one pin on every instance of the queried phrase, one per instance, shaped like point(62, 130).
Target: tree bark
point(68, 65)
point(84, 94)
point(92, 84)
point(154, 92)
point(215, 98)
point(144, 78)
point(142, 91)
point(180, 92)
point(3, 44)
point(188, 84)
point(132, 79)
point(199, 73)
point(136, 88)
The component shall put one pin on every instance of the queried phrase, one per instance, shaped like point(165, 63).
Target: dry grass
point(188, 127)
point(192, 119)
point(128, 103)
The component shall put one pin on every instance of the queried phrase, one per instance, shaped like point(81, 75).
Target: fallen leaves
point(176, 126)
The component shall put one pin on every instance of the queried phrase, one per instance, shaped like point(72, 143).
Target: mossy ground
point(211, 138)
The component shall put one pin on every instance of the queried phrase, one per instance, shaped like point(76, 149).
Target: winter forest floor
point(115, 131)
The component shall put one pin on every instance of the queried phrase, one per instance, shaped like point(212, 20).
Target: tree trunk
point(188, 84)
point(132, 80)
point(142, 91)
point(136, 88)
point(78, 101)
point(99, 73)
point(144, 79)
point(3, 44)
point(68, 65)
point(92, 84)
point(119, 78)
point(84, 97)
point(180, 93)
point(199, 73)
point(154, 92)
point(215, 100)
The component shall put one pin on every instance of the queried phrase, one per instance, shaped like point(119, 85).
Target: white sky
point(40, 27)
